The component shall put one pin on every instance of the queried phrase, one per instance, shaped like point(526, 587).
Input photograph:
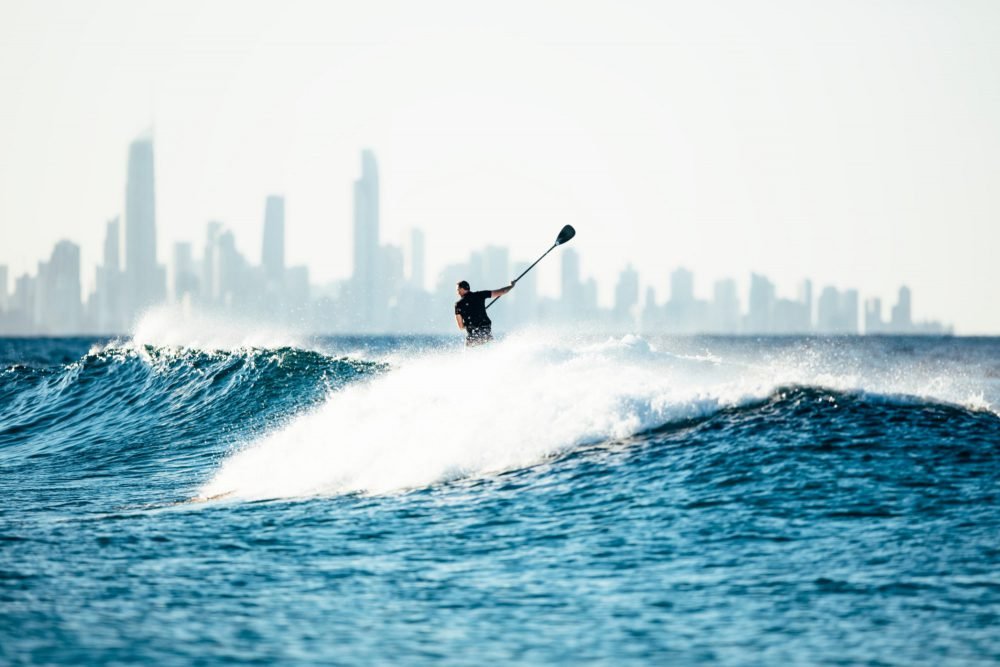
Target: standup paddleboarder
point(470, 312)
point(470, 309)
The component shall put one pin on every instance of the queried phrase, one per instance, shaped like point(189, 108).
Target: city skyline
point(834, 141)
point(385, 292)
point(122, 290)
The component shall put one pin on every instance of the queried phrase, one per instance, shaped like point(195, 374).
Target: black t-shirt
point(472, 308)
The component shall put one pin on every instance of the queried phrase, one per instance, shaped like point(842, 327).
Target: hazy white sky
point(856, 143)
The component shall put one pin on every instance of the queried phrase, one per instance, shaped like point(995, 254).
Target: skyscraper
point(185, 275)
point(108, 305)
point(806, 298)
point(417, 259)
point(145, 279)
point(209, 288)
point(849, 301)
point(22, 304)
point(873, 316)
point(902, 316)
point(681, 286)
point(58, 304)
point(725, 310)
point(231, 269)
point(570, 277)
point(837, 312)
point(760, 318)
point(626, 296)
point(366, 239)
point(828, 311)
point(683, 313)
point(272, 256)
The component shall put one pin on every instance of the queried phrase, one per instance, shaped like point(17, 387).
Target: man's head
point(463, 287)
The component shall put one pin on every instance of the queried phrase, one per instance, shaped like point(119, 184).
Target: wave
point(119, 400)
point(444, 415)
point(296, 417)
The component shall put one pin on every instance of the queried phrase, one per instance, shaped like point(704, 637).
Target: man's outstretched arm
point(503, 290)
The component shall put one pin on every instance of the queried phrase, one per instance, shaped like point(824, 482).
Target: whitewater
point(443, 415)
point(208, 491)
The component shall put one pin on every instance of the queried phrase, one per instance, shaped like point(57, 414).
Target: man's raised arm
point(503, 290)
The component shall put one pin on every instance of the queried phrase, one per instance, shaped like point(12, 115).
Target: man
point(470, 312)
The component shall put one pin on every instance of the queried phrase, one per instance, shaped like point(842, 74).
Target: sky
point(856, 143)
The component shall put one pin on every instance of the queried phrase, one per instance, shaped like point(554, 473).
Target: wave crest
point(445, 415)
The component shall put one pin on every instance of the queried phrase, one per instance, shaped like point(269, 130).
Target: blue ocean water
point(548, 499)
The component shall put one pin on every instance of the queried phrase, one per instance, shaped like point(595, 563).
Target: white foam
point(202, 330)
point(445, 415)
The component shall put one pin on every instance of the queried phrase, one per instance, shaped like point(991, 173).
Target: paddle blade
point(565, 235)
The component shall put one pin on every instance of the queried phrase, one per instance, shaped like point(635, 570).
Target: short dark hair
point(464, 284)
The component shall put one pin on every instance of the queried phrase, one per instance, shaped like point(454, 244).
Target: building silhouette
point(185, 273)
point(366, 243)
point(626, 297)
point(760, 317)
point(272, 254)
point(58, 309)
point(902, 316)
point(725, 309)
point(106, 305)
point(417, 259)
point(873, 317)
point(145, 280)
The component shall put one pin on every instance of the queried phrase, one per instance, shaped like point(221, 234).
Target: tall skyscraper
point(272, 256)
point(366, 240)
point(145, 279)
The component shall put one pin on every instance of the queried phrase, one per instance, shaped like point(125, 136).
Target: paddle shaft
point(525, 271)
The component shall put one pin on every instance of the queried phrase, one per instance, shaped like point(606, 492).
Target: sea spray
point(203, 330)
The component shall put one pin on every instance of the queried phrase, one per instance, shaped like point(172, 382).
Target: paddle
point(565, 234)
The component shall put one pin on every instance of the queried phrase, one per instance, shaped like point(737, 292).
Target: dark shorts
point(478, 336)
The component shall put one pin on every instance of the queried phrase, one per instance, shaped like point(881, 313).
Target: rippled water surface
point(545, 500)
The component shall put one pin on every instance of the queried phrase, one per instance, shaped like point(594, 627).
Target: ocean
point(212, 498)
